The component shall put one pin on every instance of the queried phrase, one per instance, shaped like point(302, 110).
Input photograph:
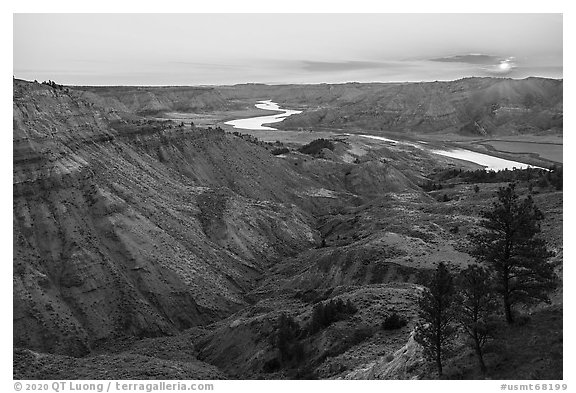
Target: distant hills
point(470, 106)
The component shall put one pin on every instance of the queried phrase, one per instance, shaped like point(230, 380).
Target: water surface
point(257, 123)
point(487, 161)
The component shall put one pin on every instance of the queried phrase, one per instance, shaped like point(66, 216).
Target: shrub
point(394, 321)
point(281, 150)
point(431, 186)
point(324, 314)
point(271, 366)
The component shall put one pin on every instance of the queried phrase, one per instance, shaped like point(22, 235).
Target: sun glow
point(504, 66)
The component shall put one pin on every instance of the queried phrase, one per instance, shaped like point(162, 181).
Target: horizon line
point(300, 84)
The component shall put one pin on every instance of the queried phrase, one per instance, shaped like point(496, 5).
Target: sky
point(216, 49)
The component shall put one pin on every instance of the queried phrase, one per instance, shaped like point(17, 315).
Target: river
point(257, 123)
point(487, 161)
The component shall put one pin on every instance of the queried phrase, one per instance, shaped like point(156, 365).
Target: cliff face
point(135, 233)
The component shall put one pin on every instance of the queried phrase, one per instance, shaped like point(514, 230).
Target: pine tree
point(317, 321)
point(436, 329)
point(475, 308)
point(286, 339)
point(510, 247)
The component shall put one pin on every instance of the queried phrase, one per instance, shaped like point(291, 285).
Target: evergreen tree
point(287, 340)
point(510, 247)
point(475, 308)
point(436, 328)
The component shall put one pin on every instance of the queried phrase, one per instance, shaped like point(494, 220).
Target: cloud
point(336, 66)
point(483, 63)
point(477, 59)
point(212, 65)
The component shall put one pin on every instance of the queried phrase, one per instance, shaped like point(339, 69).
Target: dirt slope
point(112, 237)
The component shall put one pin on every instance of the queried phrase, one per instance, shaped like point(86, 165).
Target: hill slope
point(468, 106)
point(138, 232)
point(471, 106)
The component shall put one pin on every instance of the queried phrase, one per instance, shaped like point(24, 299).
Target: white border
point(305, 6)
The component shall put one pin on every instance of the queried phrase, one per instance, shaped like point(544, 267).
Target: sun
point(504, 66)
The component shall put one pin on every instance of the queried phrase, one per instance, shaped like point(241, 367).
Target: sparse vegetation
point(431, 186)
point(324, 314)
point(279, 151)
point(252, 139)
point(53, 85)
point(315, 147)
point(541, 177)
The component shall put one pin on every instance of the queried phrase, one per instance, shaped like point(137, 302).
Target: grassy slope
point(531, 349)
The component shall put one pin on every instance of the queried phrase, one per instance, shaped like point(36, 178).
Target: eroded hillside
point(138, 233)
point(144, 248)
point(470, 106)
